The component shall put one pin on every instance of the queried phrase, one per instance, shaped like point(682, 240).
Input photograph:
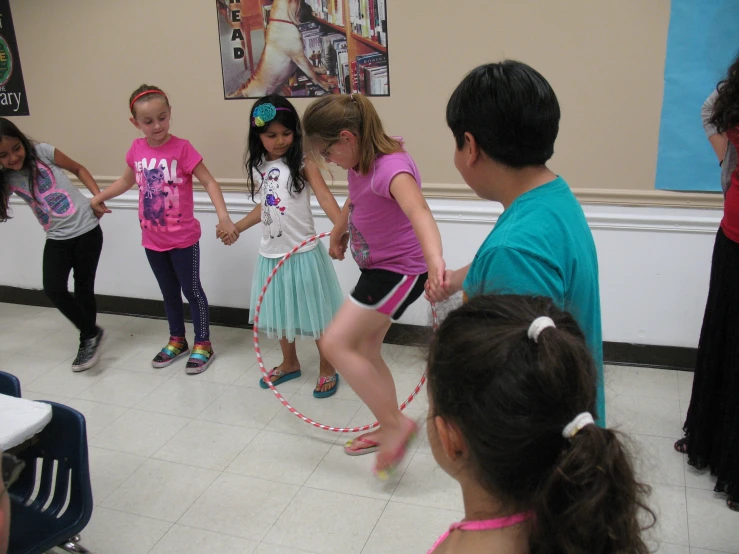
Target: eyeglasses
point(325, 152)
point(12, 468)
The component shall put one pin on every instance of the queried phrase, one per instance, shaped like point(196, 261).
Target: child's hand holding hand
point(438, 286)
point(99, 208)
point(227, 231)
point(225, 237)
point(338, 244)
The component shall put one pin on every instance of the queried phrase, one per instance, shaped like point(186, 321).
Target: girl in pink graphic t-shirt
point(396, 243)
point(163, 165)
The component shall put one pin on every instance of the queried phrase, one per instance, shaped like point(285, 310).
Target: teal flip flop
point(281, 377)
point(322, 381)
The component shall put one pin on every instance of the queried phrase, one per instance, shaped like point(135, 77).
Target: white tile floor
point(212, 463)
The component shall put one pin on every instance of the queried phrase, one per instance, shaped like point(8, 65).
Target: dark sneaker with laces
point(89, 352)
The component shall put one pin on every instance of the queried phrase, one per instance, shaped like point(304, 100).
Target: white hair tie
point(538, 325)
point(573, 427)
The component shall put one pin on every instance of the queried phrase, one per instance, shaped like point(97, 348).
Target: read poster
point(303, 47)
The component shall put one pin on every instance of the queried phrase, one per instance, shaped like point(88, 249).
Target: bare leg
point(352, 343)
point(372, 348)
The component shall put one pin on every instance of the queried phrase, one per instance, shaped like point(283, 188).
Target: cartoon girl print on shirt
point(271, 209)
point(50, 200)
point(160, 197)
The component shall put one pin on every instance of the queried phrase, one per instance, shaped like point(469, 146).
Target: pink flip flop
point(350, 448)
point(384, 472)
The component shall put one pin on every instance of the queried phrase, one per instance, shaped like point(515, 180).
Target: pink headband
point(140, 94)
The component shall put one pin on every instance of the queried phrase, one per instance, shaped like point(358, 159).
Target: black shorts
point(387, 292)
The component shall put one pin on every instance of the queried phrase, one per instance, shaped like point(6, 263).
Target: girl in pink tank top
point(397, 246)
point(512, 401)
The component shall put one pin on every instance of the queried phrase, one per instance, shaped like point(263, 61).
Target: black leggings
point(80, 255)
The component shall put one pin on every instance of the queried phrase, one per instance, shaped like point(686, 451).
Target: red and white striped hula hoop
point(268, 381)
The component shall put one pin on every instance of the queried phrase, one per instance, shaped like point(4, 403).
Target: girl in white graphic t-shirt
point(304, 294)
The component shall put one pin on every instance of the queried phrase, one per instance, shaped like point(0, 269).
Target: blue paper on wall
point(702, 42)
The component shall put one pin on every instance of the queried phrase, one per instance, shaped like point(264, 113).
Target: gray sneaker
point(89, 352)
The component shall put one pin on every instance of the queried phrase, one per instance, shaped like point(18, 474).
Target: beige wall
point(605, 59)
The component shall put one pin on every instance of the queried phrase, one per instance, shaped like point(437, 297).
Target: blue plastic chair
point(10, 385)
point(40, 522)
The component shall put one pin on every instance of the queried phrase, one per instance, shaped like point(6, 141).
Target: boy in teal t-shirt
point(505, 119)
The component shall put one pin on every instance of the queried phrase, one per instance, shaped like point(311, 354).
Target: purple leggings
point(178, 272)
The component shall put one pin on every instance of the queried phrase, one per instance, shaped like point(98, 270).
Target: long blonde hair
point(326, 117)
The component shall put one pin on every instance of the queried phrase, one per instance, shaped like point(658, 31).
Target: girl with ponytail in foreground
point(512, 394)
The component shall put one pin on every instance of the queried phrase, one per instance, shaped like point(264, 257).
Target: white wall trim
point(460, 191)
point(645, 218)
point(654, 260)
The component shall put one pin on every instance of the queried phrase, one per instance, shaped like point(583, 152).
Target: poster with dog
point(303, 47)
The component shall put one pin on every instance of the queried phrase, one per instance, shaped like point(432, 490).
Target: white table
point(20, 420)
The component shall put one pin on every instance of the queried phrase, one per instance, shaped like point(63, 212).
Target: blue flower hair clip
point(265, 113)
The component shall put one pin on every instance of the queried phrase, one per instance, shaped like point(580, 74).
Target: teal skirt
point(302, 298)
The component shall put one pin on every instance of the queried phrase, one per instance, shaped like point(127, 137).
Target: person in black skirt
point(712, 425)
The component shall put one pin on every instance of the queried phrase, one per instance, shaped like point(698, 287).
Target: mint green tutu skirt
point(302, 298)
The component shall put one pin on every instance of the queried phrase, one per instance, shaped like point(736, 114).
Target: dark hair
point(255, 150)
point(511, 404)
point(155, 91)
point(510, 109)
point(726, 108)
point(9, 129)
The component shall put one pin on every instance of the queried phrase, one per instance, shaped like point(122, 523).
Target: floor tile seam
point(135, 515)
point(79, 395)
point(283, 407)
point(624, 432)
point(148, 458)
point(369, 536)
point(220, 394)
point(28, 385)
point(244, 426)
point(276, 519)
point(619, 394)
point(349, 494)
point(224, 470)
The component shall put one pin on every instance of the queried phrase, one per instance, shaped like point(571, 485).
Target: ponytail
point(372, 137)
point(325, 118)
point(591, 501)
point(527, 375)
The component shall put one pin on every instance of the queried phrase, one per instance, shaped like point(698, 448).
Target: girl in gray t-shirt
point(73, 235)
